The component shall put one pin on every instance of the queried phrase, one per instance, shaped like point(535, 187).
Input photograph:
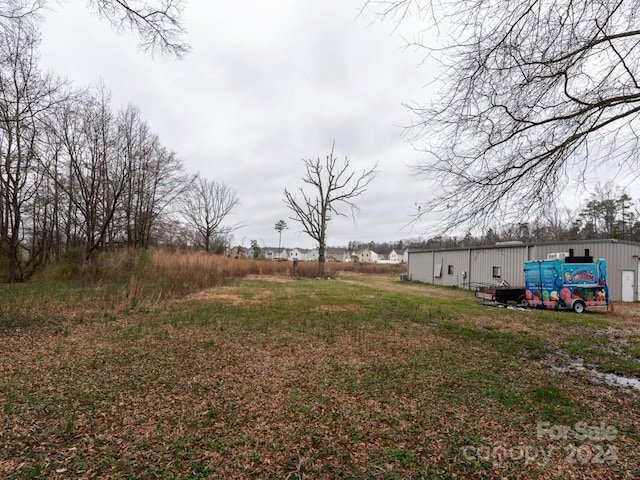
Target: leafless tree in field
point(332, 184)
point(536, 95)
point(205, 206)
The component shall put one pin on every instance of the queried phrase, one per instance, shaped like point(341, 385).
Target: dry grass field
point(275, 376)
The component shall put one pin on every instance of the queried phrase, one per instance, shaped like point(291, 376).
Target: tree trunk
point(321, 260)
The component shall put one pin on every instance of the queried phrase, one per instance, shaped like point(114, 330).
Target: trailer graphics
point(573, 283)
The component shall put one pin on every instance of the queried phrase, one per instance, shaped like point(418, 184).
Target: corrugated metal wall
point(453, 262)
point(420, 266)
point(509, 261)
point(479, 263)
point(619, 257)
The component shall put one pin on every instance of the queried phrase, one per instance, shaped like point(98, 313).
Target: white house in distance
point(238, 252)
point(275, 254)
point(395, 257)
point(332, 254)
point(366, 255)
point(297, 254)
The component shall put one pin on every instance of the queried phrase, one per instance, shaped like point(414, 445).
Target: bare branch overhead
point(158, 23)
point(536, 96)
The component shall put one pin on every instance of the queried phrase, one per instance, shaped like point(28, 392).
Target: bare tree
point(332, 184)
point(69, 174)
point(26, 97)
point(535, 95)
point(68, 141)
point(205, 206)
point(96, 174)
point(158, 22)
point(155, 178)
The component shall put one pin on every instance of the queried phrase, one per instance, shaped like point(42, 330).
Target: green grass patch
point(602, 353)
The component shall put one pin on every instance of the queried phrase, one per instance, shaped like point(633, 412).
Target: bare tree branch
point(536, 95)
point(17, 10)
point(158, 22)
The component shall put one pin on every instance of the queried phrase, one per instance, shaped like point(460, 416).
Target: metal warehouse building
point(468, 267)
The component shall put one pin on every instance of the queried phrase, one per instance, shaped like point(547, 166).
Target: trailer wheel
point(522, 301)
point(578, 306)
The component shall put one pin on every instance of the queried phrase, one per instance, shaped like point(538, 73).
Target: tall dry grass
point(199, 270)
point(161, 273)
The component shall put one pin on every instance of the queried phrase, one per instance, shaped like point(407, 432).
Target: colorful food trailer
point(567, 283)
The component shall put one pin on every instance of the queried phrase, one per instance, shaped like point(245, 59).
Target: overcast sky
point(264, 87)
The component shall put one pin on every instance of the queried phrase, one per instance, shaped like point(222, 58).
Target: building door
point(627, 285)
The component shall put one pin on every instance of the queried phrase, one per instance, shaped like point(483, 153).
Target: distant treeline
point(608, 214)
